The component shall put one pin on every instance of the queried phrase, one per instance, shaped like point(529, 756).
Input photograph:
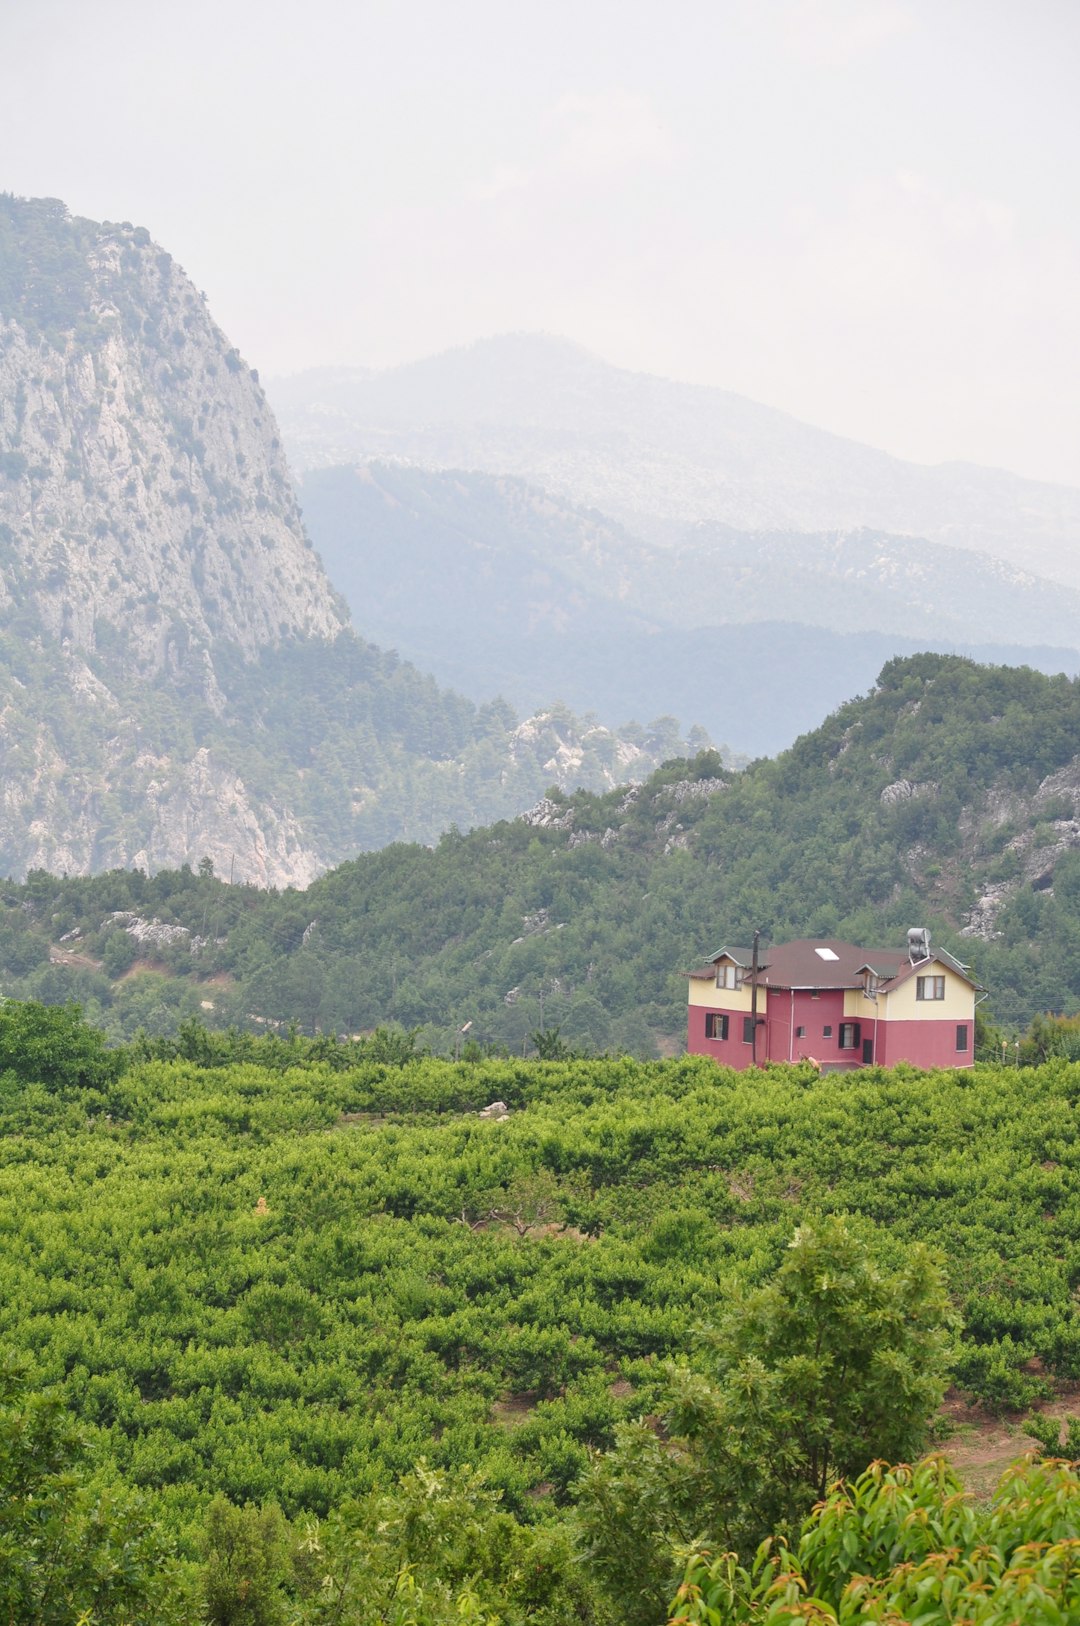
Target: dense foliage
point(298, 1312)
point(583, 917)
point(906, 1545)
point(832, 1364)
point(292, 1282)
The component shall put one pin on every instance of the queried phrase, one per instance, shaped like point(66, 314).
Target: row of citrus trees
point(342, 1294)
point(831, 1361)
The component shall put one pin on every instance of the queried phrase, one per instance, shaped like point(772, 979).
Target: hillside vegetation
point(949, 796)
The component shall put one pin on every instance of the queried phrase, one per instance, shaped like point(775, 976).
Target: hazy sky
point(863, 211)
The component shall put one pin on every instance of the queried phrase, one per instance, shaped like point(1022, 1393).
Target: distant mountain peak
point(658, 455)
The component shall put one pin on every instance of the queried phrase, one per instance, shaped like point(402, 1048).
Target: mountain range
point(662, 457)
point(181, 678)
point(178, 677)
point(498, 587)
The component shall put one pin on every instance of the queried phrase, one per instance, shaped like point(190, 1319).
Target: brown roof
point(828, 962)
point(824, 962)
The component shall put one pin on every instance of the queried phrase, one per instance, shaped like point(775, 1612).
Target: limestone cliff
point(144, 496)
point(178, 678)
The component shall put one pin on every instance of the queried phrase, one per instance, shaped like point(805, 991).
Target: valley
point(538, 597)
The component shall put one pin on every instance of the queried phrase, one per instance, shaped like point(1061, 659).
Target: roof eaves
point(809, 987)
point(743, 957)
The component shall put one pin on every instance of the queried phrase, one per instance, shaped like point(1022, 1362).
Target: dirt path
point(981, 1446)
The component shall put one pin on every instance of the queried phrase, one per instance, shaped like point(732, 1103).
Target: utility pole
point(753, 997)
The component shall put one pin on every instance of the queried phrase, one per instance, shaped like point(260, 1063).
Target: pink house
point(835, 1004)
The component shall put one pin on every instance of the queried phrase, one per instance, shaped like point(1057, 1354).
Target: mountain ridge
point(949, 796)
point(178, 677)
point(657, 455)
point(537, 597)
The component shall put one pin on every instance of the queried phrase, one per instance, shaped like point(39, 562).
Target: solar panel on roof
point(826, 954)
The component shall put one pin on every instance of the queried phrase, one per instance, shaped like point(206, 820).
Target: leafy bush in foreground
point(903, 1544)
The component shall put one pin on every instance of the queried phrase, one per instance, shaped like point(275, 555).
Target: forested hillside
point(948, 797)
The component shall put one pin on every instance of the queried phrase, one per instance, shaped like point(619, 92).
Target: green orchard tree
point(835, 1362)
point(72, 1550)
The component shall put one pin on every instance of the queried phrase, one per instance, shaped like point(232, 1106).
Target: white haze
point(861, 211)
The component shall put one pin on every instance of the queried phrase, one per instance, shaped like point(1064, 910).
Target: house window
point(929, 987)
point(849, 1035)
point(729, 976)
point(961, 1035)
point(826, 1033)
point(870, 985)
point(716, 1025)
point(748, 1030)
point(800, 1033)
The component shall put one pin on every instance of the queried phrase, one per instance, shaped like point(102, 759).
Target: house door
point(868, 1052)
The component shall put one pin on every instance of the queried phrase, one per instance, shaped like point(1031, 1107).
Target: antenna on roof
point(918, 944)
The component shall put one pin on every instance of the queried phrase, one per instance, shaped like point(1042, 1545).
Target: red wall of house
point(774, 1044)
point(789, 1010)
point(731, 1052)
point(927, 1044)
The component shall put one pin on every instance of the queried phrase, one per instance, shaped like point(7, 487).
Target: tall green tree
point(52, 1045)
point(835, 1362)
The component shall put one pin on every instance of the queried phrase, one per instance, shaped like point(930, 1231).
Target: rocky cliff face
point(144, 497)
point(178, 679)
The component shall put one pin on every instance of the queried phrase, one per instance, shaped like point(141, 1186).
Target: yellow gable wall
point(723, 999)
point(901, 1004)
point(861, 1009)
